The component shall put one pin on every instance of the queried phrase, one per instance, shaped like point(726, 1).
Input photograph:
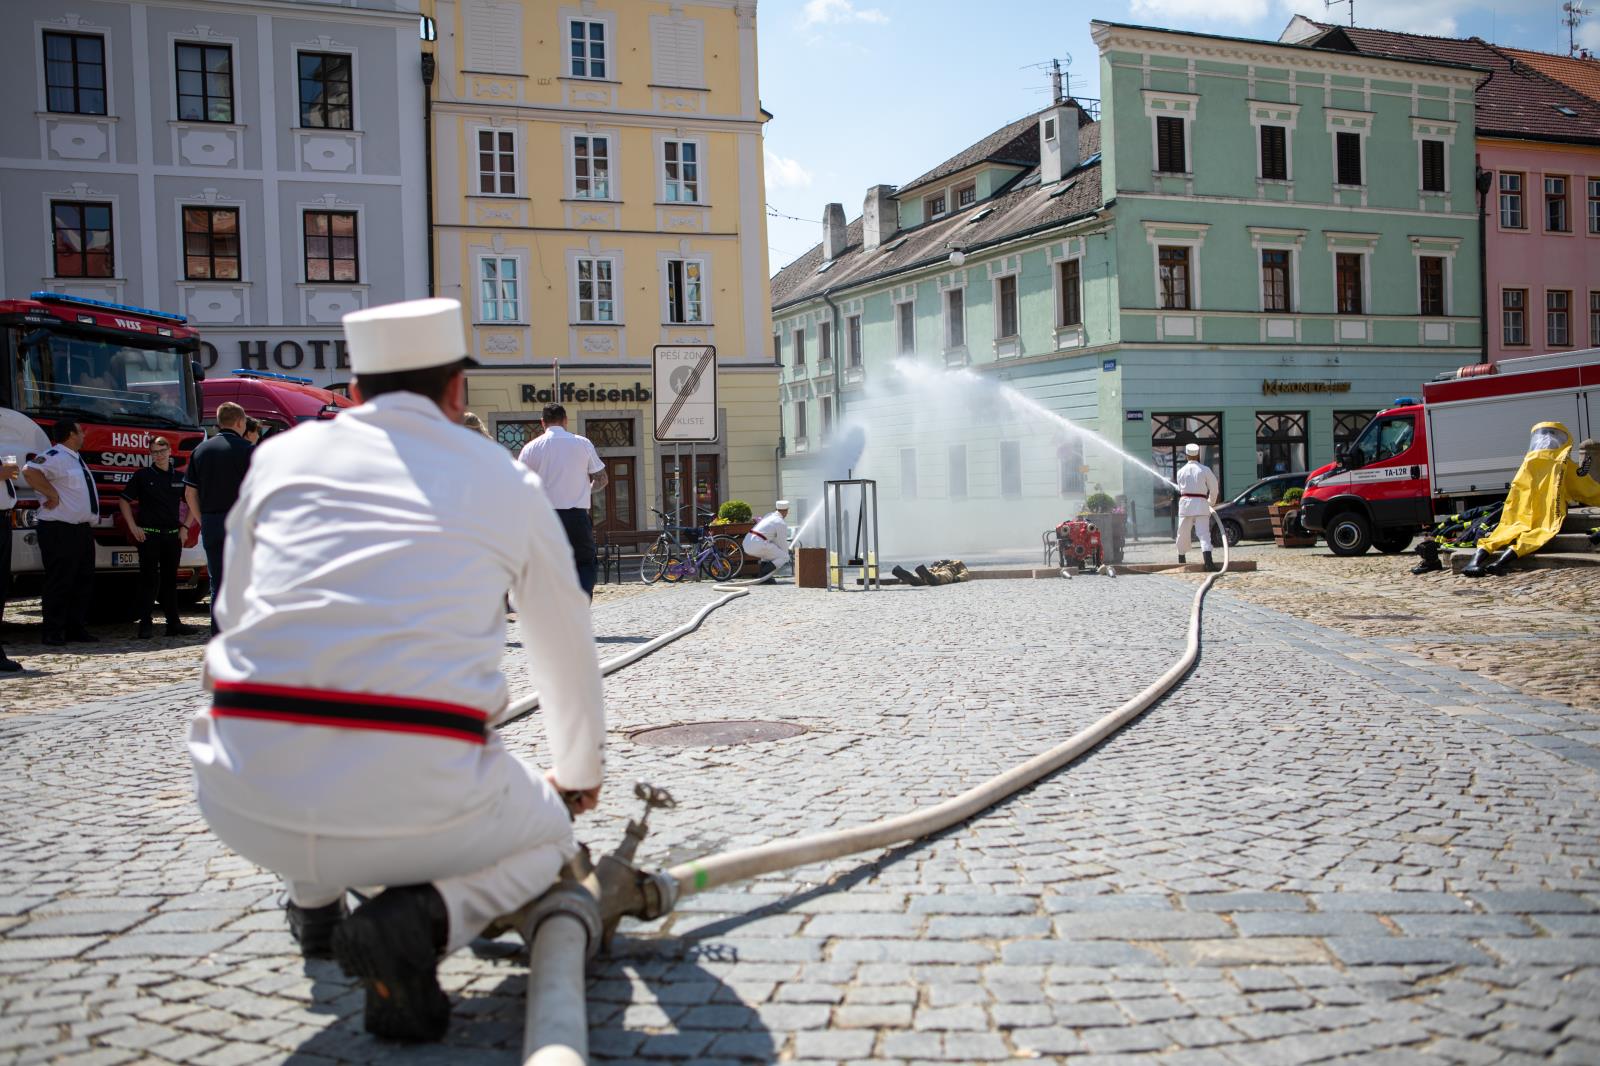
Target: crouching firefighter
point(355, 686)
point(769, 541)
point(1536, 504)
point(1198, 490)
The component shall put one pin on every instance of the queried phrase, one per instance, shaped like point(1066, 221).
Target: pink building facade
point(1542, 246)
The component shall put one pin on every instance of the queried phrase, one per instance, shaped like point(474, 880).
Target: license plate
point(125, 558)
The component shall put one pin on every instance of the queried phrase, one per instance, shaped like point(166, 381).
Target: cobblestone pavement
point(1321, 847)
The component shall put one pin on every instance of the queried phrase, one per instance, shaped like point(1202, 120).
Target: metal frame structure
point(833, 525)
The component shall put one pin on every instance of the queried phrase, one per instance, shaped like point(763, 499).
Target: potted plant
point(734, 519)
point(1101, 511)
point(1287, 532)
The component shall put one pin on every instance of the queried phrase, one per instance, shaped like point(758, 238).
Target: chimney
point(832, 232)
point(1058, 142)
point(880, 217)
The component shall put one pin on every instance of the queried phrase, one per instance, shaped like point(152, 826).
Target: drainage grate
point(715, 734)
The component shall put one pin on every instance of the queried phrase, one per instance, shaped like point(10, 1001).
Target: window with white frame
point(800, 346)
point(1511, 203)
point(591, 166)
point(586, 48)
point(498, 299)
point(1173, 264)
point(1557, 318)
point(680, 161)
point(852, 331)
point(905, 319)
point(1594, 320)
point(1594, 205)
point(799, 420)
point(967, 195)
point(1275, 280)
point(1005, 299)
point(934, 206)
point(497, 162)
point(1514, 317)
point(1555, 204)
point(596, 290)
point(1430, 285)
point(955, 318)
point(1069, 293)
point(685, 291)
point(1349, 282)
point(824, 341)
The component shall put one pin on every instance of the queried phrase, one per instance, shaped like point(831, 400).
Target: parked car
point(1246, 514)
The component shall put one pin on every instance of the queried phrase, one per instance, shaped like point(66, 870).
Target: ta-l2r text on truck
point(1459, 448)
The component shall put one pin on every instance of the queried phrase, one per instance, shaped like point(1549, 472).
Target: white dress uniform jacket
point(563, 462)
point(70, 478)
point(769, 539)
point(1199, 487)
point(369, 554)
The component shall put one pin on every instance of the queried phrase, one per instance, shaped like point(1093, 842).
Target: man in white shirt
point(69, 506)
point(1198, 491)
point(570, 471)
point(769, 541)
point(356, 681)
point(9, 469)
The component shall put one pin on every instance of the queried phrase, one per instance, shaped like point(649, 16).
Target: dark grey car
point(1246, 515)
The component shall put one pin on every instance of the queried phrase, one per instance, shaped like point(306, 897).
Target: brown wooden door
point(707, 488)
point(613, 506)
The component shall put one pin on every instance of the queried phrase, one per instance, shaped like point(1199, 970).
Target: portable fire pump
point(1078, 544)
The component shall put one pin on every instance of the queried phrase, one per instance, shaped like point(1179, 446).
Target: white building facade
point(255, 165)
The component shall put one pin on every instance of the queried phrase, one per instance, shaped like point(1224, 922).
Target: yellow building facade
point(598, 190)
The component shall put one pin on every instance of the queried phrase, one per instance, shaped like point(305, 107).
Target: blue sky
point(869, 91)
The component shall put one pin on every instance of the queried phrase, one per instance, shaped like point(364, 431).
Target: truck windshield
point(1384, 438)
point(101, 380)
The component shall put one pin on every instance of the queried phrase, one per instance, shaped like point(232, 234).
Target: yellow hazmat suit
point(1537, 502)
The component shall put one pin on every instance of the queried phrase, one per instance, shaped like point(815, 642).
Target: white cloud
point(785, 173)
point(822, 12)
point(1163, 12)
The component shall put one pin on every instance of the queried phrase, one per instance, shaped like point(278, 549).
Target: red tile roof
point(1582, 74)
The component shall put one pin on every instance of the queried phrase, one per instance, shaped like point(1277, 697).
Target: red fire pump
point(1078, 544)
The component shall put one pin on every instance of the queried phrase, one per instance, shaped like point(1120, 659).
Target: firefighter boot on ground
point(392, 942)
point(1480, 559)
point(906, 577)
point(1502, 562)
point(1182, 561)
point(1211, 567)
point(1429, 551)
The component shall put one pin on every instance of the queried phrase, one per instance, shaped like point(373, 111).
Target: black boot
point(1429, 551)
point(8, 666)
point(393, 943)
point(1182, 561)
point(927, 576)
point(1480, 559)
point(1211, 567)
point(145, 630)
point(906, 577)
point(1502, 562)
point(312, 927)
point(765, 571)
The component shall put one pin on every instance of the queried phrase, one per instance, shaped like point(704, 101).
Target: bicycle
point(670, 560)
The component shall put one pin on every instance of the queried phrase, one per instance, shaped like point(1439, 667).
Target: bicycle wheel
point(717, 565)
point(729, 549)
point(655, 565)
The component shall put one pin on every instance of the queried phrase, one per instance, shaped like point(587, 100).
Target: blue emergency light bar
point(270, 374)
point(1405, 401)
point(84, 301)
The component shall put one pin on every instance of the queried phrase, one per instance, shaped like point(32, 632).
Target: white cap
point(781, 505)
point(1192, 450)
point(413, 335)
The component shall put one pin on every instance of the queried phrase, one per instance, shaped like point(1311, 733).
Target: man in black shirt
point(158, 490)
point(216, 470)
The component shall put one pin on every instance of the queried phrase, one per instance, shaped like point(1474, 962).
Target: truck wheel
point(1393, 542)
point(1232, 532)
point(1349, 534)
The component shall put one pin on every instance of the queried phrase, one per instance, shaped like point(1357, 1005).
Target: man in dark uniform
point(70, 505)
point(158, 490)
point(216, 470)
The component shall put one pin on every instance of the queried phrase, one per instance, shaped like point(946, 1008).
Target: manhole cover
point(1379, 617)
point(713, 734)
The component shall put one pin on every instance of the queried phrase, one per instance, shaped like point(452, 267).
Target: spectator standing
point(211, 485)
point(474, 423)
point(252, 431)
point(71, 503)
point(158, 490)
point(358, 676)
point(9, 469)
point(571, 471)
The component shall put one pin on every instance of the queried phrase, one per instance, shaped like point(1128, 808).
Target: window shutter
point(1433, 166)
point(494, 36)
point(677, 51)
point(1274, 157)
point(1169, 145)
point(1349, 159)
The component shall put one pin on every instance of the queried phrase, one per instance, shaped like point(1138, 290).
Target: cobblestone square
point(1320, 846)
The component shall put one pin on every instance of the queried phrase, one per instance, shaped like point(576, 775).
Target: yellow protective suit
point(1537, 502)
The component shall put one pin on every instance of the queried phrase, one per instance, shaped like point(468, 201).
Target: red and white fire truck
point(1459, 448)
point(126, 375)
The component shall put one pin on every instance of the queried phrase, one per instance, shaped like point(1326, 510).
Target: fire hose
point(552, 1038)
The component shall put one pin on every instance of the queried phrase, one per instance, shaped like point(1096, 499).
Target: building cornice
point(1110, 37)
point(557, 113)
point(304, 9)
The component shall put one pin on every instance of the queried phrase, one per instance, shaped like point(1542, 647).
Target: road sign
point(686, 392)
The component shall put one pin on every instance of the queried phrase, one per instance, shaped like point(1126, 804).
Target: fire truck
point(126, 375)
point(1457, 449)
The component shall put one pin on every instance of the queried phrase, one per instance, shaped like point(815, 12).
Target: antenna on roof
point(1327, 4)
point(1572, 13)
point(1057, 94)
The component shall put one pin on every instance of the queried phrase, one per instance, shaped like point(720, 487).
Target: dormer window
point(1049, 129)
point(935, 206)
point(967, 195)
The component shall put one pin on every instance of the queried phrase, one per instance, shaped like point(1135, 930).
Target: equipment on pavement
point(1078, 544)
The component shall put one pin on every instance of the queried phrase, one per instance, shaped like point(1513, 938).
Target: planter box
point(737, 530)
point(1281, 516)
point(1113, 534)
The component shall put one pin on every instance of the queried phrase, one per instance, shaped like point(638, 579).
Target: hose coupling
point(570, 898)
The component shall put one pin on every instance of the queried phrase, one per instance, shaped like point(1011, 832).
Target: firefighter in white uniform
point(1198, 490)
point(357, 679)
point(769, 540)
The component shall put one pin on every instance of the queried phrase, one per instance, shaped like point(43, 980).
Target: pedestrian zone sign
point(686, 393)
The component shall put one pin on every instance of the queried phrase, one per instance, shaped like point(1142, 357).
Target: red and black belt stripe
point(348, 710)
